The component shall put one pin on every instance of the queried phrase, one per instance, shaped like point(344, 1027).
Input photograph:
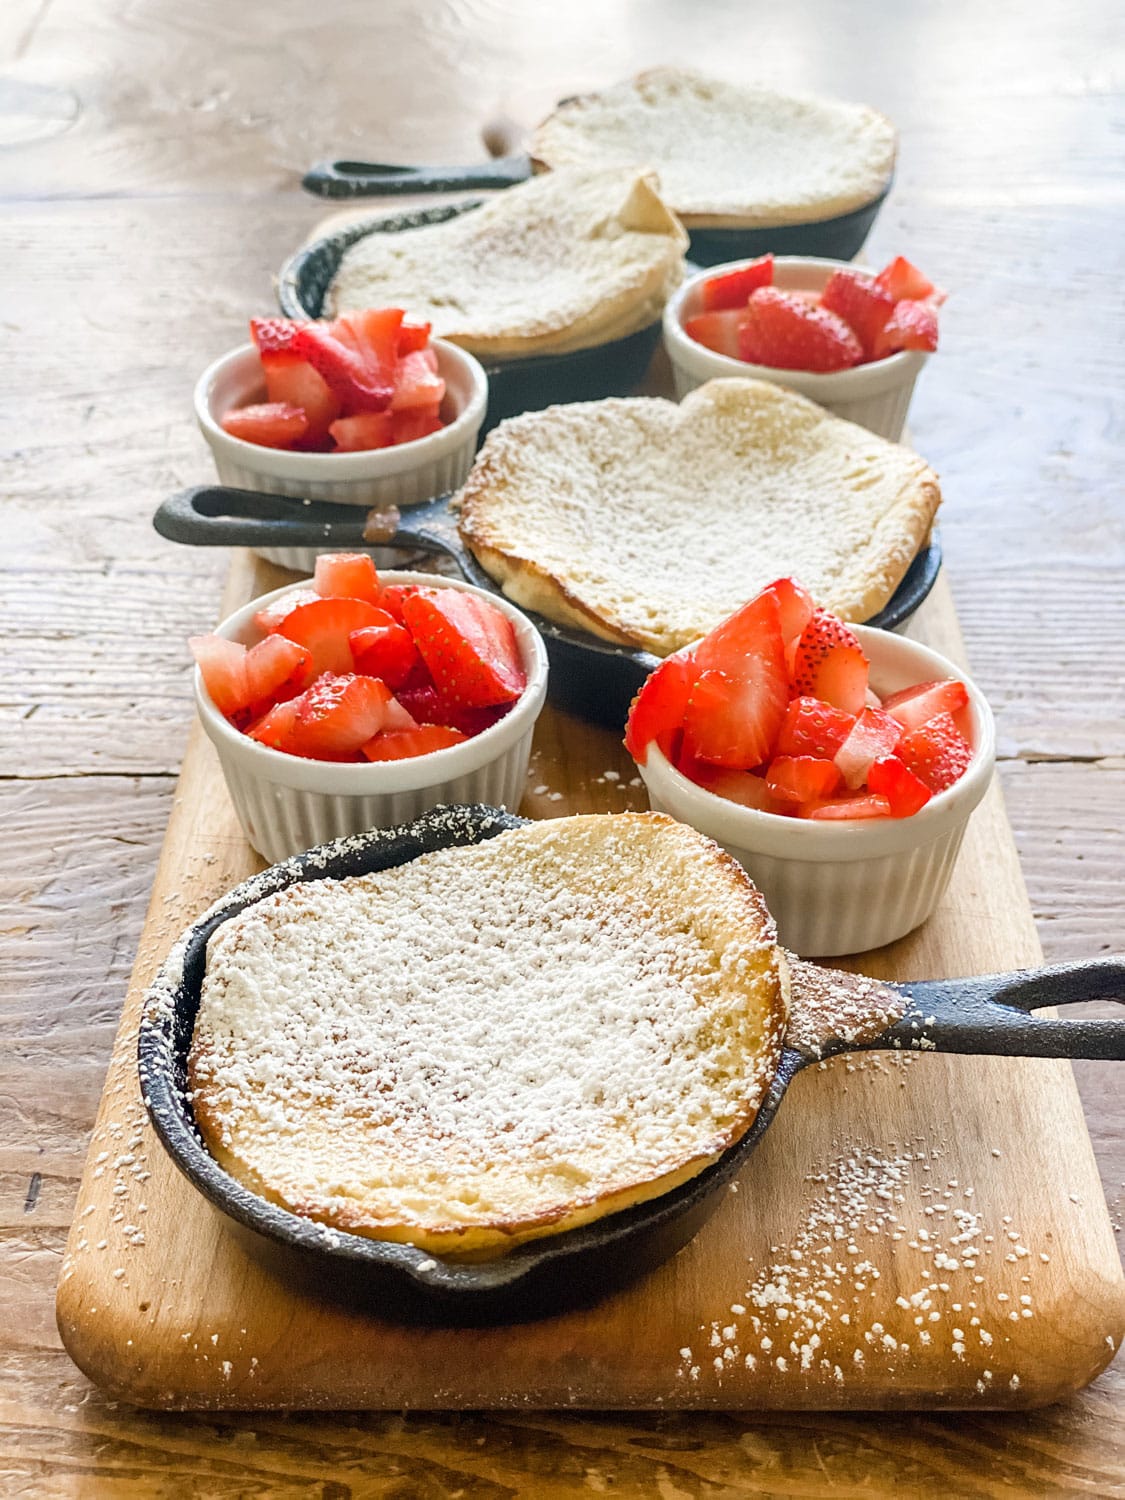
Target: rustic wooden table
point(150, 171)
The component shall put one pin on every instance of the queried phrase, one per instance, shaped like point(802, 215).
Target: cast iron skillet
point(838, 238)
point(983, 1015)
point(589, 677)
point(514, 385)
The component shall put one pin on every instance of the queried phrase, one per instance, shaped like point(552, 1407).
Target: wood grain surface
point(149, 175)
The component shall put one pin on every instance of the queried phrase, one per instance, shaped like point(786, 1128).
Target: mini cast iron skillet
point(986, 1015)
point(514, 385)
point(589, 677)
point(838, 238)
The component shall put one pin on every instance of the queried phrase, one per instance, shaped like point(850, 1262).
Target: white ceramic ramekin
point(877, 396)
point(287, 804)
point(405, 475)
point(846, 887)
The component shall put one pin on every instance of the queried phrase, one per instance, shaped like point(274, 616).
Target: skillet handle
point(376, 179)
point(989, 1014)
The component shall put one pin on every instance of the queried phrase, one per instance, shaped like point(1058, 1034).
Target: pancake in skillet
point(492, 1043)
point(647, 523)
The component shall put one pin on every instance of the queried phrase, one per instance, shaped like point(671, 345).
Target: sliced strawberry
point(784, 332)
point(865, 806)
point(270, 424)
point(323, 628)
point(412, 337)
point(801, 778)
point(427, 706)
point(401, 744)
point(862, 303)
point(936, 752)
point(276, 668)
point(295, 382)
point(223, 665)
point(392, 596)
point(737, 704)
point(385, 650)
point(901, 279)
point(796, 607)
point(274, 335)
point(813, 728)
point(269, 619)
point(358, 386)
point(277, 728)
point(912, 325)
point(830, 665)
point(417, 383)
point(743, 787)
point(889, 778)
point(873, 735)
point(751, 635)
point(338, 715)
point(374, 332)
point(717, 331)
point(468, 645)
point(363, 432)
point(733, 289)
point(346, 575)
point(917, 705)
point(417, 422)
point(656, 714)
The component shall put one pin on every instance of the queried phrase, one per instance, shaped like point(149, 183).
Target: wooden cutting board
point(915, 1231)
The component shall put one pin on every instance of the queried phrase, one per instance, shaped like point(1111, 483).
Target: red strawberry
point(416, 422)
point(364, 431)
point(374, 333)
point(276, 728)
point(936, 752)
point(717, 331)
point(656, 714)
point(270, 424)
point(427, 706)
point(295, 382)
point(269, 619)
point(901, 279)
point(743, 787)
point(873, 735)
point(865, 806)
point(912, 325)
point(346, 575)
point(223, 666)
point(412, 337)
point(917, 705)
point(392, 596)
point(338, 715)
point(861, 302)
point(468, 645)
point(889, 778)
point(385, 650)
point(813, 728)
point(359, 386)
point(274, 335)
point(801, 778)
point(737, 705)
point(417, 383)
point(752, 633)
point(276, 668)
point(830, 664)
point(784, 332)
point(796, 607)
point(400, 744)
point(733, 289)
point(323, 628)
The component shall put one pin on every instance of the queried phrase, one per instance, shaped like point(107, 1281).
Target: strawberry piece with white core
point(915, 706)
point(830, 664)
point(346, 575)
point(873, 735)
point(323, 628)
point(468, 645)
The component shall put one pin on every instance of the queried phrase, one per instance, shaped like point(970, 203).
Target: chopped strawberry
point(748, 636)
point(276, 668)
point(717, 331)
point(417, 383)
point(901, 279)
point(889, 778)
point(784, 332)
point(363, 432)
point(427, 706)
point(801, 778)
point(813, 728)
point(277, 728)
point(392, 596)
point(385, 650)
point(936, 752)
point(417, 422)
point(656, 714)
point(357, 384)
point(917, 705)
point(912, 325)
point(865, 806)
point(468, 645)
point(400, 744)
point(323, 628)
point(269, 619)
point(733, 289)
point(796, 606)
point(295, 382)
point(223, 666)
point(873, 735)
point(274, 335)
point(830, 664)
point(862, 303)
point(743, 787)
point(346, 575)
point(737, 705)
point(412, 337)
point(270, 424)
point(375, 333)
point(338, 715)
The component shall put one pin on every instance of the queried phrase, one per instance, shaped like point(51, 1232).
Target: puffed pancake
point(492, 1043)
point(728, 156)
point(563, 262)
point(647, 523)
